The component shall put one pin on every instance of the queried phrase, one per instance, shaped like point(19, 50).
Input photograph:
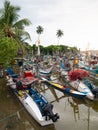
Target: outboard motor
point(95, 92)
point(45, 107)
point(49, 113)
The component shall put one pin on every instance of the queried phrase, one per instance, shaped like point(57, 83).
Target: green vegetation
point(12, 33)
point(7, 50)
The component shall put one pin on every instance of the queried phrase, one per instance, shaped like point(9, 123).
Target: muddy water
point(74, 114)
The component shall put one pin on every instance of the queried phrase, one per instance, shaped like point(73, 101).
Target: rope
point(11, 115)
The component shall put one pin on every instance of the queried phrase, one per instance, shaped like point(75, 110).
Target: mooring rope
point(11, 115)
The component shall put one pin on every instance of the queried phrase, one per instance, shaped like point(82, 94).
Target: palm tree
point(39, 32)
point(12, 33)
point(59, 34)
point(10, 25)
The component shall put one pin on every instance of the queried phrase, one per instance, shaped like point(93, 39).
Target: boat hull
point(29, 104)
point(33, 109)
point(81, 87)
point(65, 89)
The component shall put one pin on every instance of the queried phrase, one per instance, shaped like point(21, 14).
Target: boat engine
point(95, 92)
point(49, 113)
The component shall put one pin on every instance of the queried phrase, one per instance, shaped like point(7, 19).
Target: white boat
point(31, 106)
point(78, 85)
point(81, 87)
point(33, 109)
point(45, 71)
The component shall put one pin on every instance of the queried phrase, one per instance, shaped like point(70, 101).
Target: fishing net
point(77, 74)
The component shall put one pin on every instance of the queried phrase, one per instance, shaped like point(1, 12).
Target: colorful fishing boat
point(64, 66)
point(64, 89)
point(36, 104)
point(93, 71)
point(74, 79)
point(45, 71)
point(92, 87)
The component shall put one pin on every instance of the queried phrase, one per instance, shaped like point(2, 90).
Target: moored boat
point(65, 89)
point(92, 87)
point(93, 71)
point(45, 71)
point(81, 87)
point(74, 79)
point(36, 104)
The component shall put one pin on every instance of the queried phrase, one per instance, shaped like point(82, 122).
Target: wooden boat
point(64, 89)
point(92, 87)
point(36, 104)
point(45, 71)
point(64, 67)
point(74, 79)
point(81, 87)
point(93, 71)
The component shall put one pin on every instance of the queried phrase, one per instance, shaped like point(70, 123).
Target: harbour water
point(75, 114)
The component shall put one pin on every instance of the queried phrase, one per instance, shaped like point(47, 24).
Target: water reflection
point(75, 114)
point(75, 105)
point(82, 109)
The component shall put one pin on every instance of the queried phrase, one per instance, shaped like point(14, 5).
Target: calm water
point(74, 114)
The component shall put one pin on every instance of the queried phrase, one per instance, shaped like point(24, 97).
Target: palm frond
point(22, 35)
point(22, 23)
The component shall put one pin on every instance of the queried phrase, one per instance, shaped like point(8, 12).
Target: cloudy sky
point(78, 19)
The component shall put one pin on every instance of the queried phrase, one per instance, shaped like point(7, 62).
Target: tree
point(39, 32)
point(10, 25)
point(59, 34)
point(12, 33)
point(7, 49)
point(34, 49)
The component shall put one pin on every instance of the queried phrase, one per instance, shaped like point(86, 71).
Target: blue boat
point(92, 87)
point(64, 89)
point(93, 71)
point(34, 102)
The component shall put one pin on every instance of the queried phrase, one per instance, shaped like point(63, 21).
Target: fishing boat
point(36, 104)
point(45, 71)
point(74, 79)
point(64, 66)
point(64, 89)
point(93, 71)
point(92, 87)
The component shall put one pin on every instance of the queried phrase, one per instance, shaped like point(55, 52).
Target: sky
point(78, 19)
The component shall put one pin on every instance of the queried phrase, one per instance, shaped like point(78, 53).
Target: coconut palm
point(39, 32)
point(10, 25)
point(59, 34)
